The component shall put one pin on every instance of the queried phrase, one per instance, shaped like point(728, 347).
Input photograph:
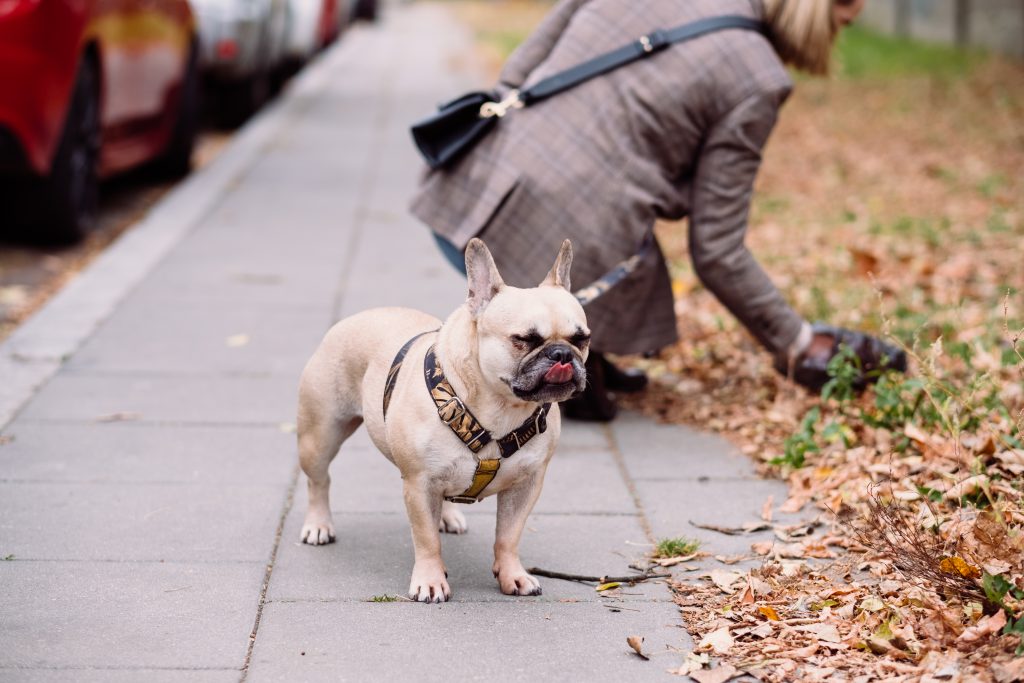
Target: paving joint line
point(620, 462)
point(289, 500)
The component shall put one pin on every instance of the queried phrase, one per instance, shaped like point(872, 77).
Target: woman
point(677, 134)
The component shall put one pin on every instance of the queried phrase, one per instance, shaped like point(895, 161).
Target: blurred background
point(106, 105)
point(878, 176)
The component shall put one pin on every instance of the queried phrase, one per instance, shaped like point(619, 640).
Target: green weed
point(676, 547)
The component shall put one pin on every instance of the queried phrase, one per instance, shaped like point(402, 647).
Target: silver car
point(242, 47)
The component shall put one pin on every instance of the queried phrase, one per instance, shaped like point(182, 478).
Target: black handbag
point(458, 125)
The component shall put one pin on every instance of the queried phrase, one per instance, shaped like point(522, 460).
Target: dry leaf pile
point(894, 206)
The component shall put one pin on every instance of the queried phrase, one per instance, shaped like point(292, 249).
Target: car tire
point(243, 99)
point(68, 199)
point(365, 10)
point(176, 161)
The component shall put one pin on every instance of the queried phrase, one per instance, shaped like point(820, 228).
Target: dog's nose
point(559, 354)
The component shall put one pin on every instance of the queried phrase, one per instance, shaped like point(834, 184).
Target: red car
point(89, 88)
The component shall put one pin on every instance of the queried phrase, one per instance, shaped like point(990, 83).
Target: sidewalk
point(150, 502)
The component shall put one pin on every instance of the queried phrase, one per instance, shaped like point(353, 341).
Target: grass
point(384, 598)
point(863, 53)
point(676, 547)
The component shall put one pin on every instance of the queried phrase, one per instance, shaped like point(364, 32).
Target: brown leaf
point(636, 642)
point(768, 612)
point(766, 509)
point(748, 596)
point(720, 674)
point(983, 629)
point(720, 641)
point(1008, 672)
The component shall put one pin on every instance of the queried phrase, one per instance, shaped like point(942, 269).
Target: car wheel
point(69, 197)
point(366, 10)
point(177, 158)
point(242, 100)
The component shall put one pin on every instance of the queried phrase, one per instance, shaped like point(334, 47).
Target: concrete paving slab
point(204, 338)
point(671, 505)
point(129, 453)
point(235, 399)
point(373, 556)
point(199, 522)
point(126, 614)
point(660, 452)
point(513, 641)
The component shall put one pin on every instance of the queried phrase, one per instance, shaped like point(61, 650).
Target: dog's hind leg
point(320, 437)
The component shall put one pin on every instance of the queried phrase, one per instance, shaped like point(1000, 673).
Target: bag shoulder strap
point(638, 49)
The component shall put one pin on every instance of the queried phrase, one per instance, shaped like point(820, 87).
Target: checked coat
point(678, 134)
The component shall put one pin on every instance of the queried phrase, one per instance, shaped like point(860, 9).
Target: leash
point(622, 269)
point(460, 419)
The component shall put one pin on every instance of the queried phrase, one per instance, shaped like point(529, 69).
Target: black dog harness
point(454, 413)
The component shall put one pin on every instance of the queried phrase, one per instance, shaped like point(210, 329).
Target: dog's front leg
point(514, 506)
point(429, 579)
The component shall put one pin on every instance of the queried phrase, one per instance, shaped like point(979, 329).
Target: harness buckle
point(467, 500)
point(456, 414)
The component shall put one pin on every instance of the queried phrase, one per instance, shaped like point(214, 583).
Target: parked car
point(312, 26)
point(242, 49)
point(88, 89)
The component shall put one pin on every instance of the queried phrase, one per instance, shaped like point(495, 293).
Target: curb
point(37, 349)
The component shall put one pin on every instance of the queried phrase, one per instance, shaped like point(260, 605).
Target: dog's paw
point(317, 532)
point(452, 520)
point(514, 580)
point(429, 583)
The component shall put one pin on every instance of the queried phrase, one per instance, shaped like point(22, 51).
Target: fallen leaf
point(636, 642)
point(607, 586)
point(966, 486)
point(692, 662)
point(747, 528)
point(957, 565)
point(673, 561)
point(766, 509)
point(827, 632)
point(768, 612)
point(1007, 672)
point(719, 641)
point(871, 604)
point(725, 579)
point(720, 674)
point(983, 629)
point(995, 567)
point(747, 598)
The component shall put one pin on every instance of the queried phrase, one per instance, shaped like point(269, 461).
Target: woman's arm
point(720, 205)
point(536, 47)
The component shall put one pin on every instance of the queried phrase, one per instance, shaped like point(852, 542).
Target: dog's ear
point(483, 277)
point(559, 275)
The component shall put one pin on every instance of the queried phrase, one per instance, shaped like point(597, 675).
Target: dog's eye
point(579, 340)
point(531, 340)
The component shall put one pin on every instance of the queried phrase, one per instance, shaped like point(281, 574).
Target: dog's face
point(530, 342)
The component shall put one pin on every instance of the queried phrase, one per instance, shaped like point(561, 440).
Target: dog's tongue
point(559, 373)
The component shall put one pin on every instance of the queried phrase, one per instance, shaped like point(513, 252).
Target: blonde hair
point(802, 32)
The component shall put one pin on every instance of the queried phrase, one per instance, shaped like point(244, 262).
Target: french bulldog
point(506, 352)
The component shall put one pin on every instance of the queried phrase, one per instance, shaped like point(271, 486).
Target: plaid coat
point(677, 134)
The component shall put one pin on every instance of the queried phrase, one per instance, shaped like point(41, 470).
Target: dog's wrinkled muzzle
point(559, 373)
